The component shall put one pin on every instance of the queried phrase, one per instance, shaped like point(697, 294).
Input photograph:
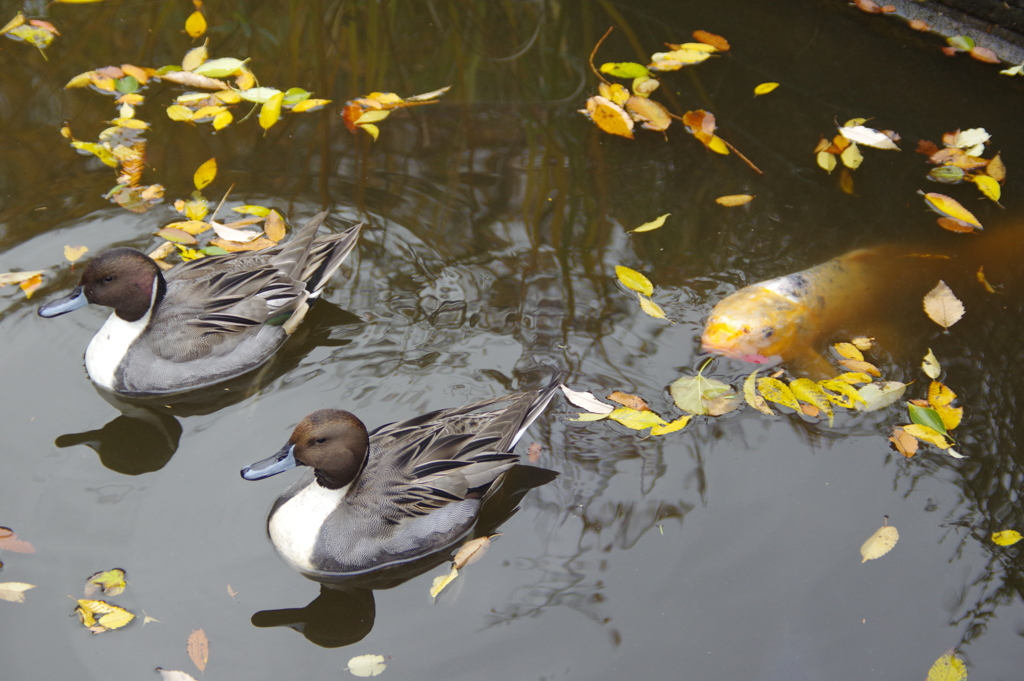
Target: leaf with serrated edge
point(942, 306)
point(630, 401)
point(880, 543)
point(691, 393)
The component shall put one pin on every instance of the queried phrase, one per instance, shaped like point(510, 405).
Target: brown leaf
point(533, 453)
point(711, 39)
point(198, 648)
point(996, 169)
point(918, 25)
point(274, 227)
point(926, 147)
point(955, 225)
point(949, 51)
point(942, 306)
point(629, 401)
point(190, 79)
point(809, 409)
point(985, 55)
point(472, 551)
point(867, 6)
point(232, 247)
point(10, 542)
point(904, 442)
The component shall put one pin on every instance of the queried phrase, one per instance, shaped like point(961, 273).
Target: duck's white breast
point(109, 346)
point(295, 525)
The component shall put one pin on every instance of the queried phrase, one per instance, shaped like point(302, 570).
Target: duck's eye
point(321, 440)
point(107, 279)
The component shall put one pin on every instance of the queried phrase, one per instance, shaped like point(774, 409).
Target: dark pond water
point(495, 219)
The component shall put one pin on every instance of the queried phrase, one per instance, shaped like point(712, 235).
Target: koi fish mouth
point(733, 353)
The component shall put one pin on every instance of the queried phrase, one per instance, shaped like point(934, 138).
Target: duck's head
point(332, 441)
point(122, 278)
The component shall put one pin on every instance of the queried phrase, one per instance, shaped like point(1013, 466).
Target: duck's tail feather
point(326, 257)
point(294, 256)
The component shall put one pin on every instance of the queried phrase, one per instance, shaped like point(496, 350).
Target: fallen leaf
point(860, 366)
point(441, 581)
point(942, 307)
point(630, 401)
point(169, 675)
point(723, 404)
point(205, 173)
point(651, 307)
point(270, 112)
point(238, 236)
point(1003, 538)
point(984, 54)
point(716, 41)
point(880, 543)
point(310, 105)
point(220, 68)
point(111, 582)
point(765, 88)
point(949, 208)
point(195, 25)
point(672, 426)
point(652, 225)
point(30, 286)
point(996, 169)
point(880, 395)
point(10, 542)
point(868, 6)
point(848, 396)
point(931, 366)
point(988, 186)
point(774, 390)
point(692, 393)
point(952, 225)
point(634, 281)
point(533, 452)
point(940, 398)
point(177, 236)
point(904, 442)
point(635, 419)
point(472, 551)
point(259, 211)
point(826, 161)
point(111, 616)
point(18, 277)
point(849, 351)
point(927, 417)
point(198, 648)
point(929, 435)
point(624, 69)
point(918, 25)
point(609, 116)
point(232, 247)
point(983, 281)
point(948, 668)
point(587, 401)
point(806, 390)
point(366, 665)
point(751, 396)
point(854, 377)
point(869, 137)
point(851, 158)
point(274, 226)
point(73, 253)
point(734, 200)
point(14, 591)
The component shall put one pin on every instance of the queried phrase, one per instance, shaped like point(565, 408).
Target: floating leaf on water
point(609, 116)
point(220, 68)
point(723, 404)
point(614, 92)
point(946, 174)
point(198, 648)
point(260, 95)
point(270, 112)
point(630, 401)
point(983, 281)
point(260, 211)
point(929, 435)
point(996, 169)
point(205, 173)
point(961, 42)
point(806, 390)
point(651, 307)
point(625, 69)
point(14, 591)
point(585, 400)
point(848, 396)
point(238, 236)
point(716, 41)
point(177, 236)
point(17, 278)
point(1003, 538)
point(849, 351)
point(851, 157)
point(751, 396)
point(904, 442)
point(652, 114)
point(880, 395)
point(692, 393)
point(827, 161)
point(366, 665)
point(274, 226)
point(634, 281)
point(765, 88)
point(195, 25)
point(948, 668)
point(774, 390)
point(940, 397)
point(111, 616)
point(860, 366)
point(177, 112)
point(869, 137)
point(942, 307)
point(880, 543)
point(111, 582)
point(854, 377)
point(734, 200)
point(441, 582)
point(233, 247)
point(170, 675)
point(649, 226)
point(926, 416)
point(988, 186)
point(310, 105)
point(635, 419)
point(672, 426)
point(931, 366)
point(947, 207)
point(472, 551)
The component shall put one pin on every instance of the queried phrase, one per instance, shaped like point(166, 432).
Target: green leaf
point(295, 95)
point(213, 250)
point(926, 416)
point(219, 68)
point(961, 42)
point(625, 69)
point(126, 85)
point(258, 95)
point(692, 393)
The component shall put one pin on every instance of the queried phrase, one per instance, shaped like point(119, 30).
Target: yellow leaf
point(753, 399)
point(652, 225)
point(177, 112)
point(101, 152)
point(196, 208)
point(18, 20)
point(634, 280)
point(651, 307)
point(983, 281)
point(636, 420)
point(614, 92)
point(260, 211)
point(940, 397)
point(774, 390)
point(373, 116)
point(131, 123)
point(112, 582)
point(854, 377)
point(672, 427)
point(372, 129)
point(18, 277)
point(718, 145)
point(988, 186)
point(948, 668)
point(806, 390)
point(880, 543)
point(192, 227)
point(765, 88)
point(270, 112)
point(905, 443)
point(826, 161)
point(194, 58)
point(198, 648)
point(228, 96)
point(205, 173)
point(310, 105)
point(14, 591)
point(851, 157)
point(1004, 538)
point(850, 395)
point(929, 435)
point(931, 366)
point(860, 366)
point(274, 226)
point(222, 120)
point(207, 112)
point(471, 551)
point(73, 253)
point(947, 207)
point(863, 343)
point(441, 582)
point(116, 618)
point(195, 25)
point(734, 200)
point(849, 351)
point(942, 307)
point(589, 417)
point(29, 286)
point(81, 80)
point(609, 116)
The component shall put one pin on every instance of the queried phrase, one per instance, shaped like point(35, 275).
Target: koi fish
point(786, 319)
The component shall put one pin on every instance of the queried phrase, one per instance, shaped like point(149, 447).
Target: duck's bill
point(71, 301)
point(278, 463)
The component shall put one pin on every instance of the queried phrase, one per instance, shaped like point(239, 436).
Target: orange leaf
point(609, 116)
point(198, 648)
point(712, 39)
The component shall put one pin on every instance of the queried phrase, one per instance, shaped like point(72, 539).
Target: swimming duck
point(397, 493)
point(204, 321)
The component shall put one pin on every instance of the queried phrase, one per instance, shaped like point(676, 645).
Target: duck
point(203, 321)
point(372, 500)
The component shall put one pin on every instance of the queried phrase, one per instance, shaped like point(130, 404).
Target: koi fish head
point(755, 325)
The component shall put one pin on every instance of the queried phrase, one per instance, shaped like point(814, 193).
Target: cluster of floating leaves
point(468, 553)
point(100, 616)
point(364, 113)
point(960, 160)
point(642, 286)
point(35, 32)
point(844, 145)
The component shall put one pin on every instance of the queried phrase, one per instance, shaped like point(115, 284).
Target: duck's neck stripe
point(108, 347)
